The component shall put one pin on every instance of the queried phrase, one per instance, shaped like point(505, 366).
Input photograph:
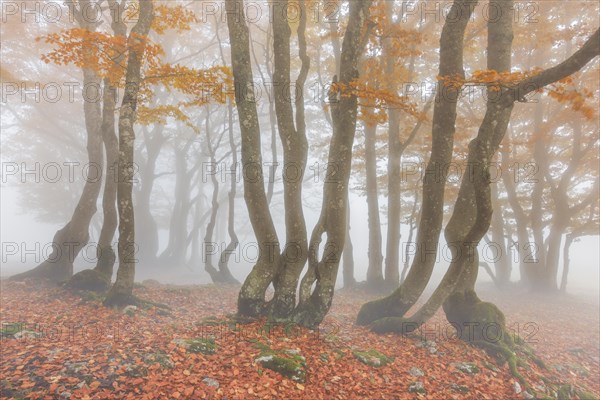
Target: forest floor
point(57, 345)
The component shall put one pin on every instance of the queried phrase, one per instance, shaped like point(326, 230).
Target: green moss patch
point(287, 362)
point(372, 357)
point(198, 345)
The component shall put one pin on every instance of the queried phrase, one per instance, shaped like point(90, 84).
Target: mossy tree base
point(375, 310)
point(482, 324)
point(90, 280)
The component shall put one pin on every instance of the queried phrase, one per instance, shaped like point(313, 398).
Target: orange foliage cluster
point(563, 91)
point(106, 54)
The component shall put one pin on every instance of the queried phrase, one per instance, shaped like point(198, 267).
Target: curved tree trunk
point(251, 300)
point(462, 274)
point(295, 153)
point(72, 238)
point(332, 222)
point(106, 254)
point(224, 272)
point(122, 290)
point(434, 181)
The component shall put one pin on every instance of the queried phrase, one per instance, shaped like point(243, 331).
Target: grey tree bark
point(122, 290)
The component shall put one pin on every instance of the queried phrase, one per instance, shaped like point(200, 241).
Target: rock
point(11, 329)
point(517, 387)
point(372, 357)
point(459, 388)
point(150, 283)
point(211, 382)
point(198, 345)
point(73, 368)
point(65, 395)
point(288, 362)
point(416, 372)
point(467, 368)
point(430, 345)
point(161, 358)
point(130, 310)
point(417, 387)
point(27, 335)
point(528, 396)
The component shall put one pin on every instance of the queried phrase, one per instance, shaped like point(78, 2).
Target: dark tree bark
point(122, 290)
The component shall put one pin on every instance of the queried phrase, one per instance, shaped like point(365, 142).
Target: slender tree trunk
point(348, 256)
point(295, 152)
point(314, 304)
point(251, 299)
point(502, 260)
point(146, 224)
point(521, 220)
point(374, 271)
point(105, 253)
point(224, 271)
point(122, 290)
point(566, 262)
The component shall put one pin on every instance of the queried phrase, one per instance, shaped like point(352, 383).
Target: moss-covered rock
point(468, 368)
point(288, 362)
point(372, 357)
point(198, 345)
point(164, 360)
point(417, 387)
point(9, 329)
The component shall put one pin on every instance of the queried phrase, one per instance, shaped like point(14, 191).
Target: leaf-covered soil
point(58, 345)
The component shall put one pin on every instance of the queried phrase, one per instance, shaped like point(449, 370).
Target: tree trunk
point(224, 272)
point(521, 219)
point(374, 271)
point(472, 212)
point(72, 238)
point(566, 262)
point(106, 254)
point(314, 304)
point(434, 181)
point(146, 224)
point(348, 256)
point(502, 260)
point(122, 290)
point(251, 299)
point(295, 152)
